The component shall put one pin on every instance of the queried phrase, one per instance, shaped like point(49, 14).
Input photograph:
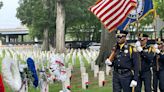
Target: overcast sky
point(8, 14)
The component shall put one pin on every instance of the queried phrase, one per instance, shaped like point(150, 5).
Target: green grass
point(75, 82)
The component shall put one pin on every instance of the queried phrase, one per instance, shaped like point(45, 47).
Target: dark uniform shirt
point(125, 59)
point(160, 61)
point(147, 56)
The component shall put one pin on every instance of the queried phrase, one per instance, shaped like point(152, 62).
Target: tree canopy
point(1, 4)
point(32, 14)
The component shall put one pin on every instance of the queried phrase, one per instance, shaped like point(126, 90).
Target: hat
point(140, 35)
point(159, 40)
point(122, 32)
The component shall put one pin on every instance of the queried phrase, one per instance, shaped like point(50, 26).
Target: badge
point(125, 51)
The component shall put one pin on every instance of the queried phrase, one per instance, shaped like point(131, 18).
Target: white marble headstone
point(96, 70)
point(85, 80)
point(101, 78)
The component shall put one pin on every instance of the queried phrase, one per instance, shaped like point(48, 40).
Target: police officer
point(146, 59)
point(125, 63)
point(158, 66)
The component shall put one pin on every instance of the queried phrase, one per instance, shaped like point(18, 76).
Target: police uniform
point(158, 69)
point(145, 62)
point(125, 65)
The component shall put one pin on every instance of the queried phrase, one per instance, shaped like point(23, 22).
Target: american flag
point(112, 12)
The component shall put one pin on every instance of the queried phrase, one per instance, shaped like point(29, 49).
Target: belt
point(121, 71)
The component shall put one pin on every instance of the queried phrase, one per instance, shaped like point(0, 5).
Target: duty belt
point(121, 71)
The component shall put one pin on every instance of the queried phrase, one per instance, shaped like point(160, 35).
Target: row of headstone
point(44, 56)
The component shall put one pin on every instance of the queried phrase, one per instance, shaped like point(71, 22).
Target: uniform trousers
point(121, 81)
point(146, 78)
point(158, 77)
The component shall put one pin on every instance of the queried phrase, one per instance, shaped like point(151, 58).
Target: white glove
point(137, 44)
point(156, 46)
point(139, 48)
point(133, 83)
point(157, 51)
point(108, 62)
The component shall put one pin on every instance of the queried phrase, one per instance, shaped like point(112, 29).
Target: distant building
point(11, 35)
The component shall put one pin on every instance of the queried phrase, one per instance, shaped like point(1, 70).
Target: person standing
point(146, 59)
point(125, 63)
point(158, 66)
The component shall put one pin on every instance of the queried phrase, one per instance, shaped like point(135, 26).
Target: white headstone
point(66, 83)
point(92, 65)
point(96, 70)
point(69, 72)
point(85, 80)
point(44, 87)
point(108, 69)
point(101, 78)
point(70, 66)
point(83, 70)
point(74, 57)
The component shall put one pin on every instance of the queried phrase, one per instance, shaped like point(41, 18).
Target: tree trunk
point(45, 45)
point(60, 27)
point(107, 42)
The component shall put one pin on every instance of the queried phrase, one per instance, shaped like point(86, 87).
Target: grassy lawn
point(75, 82)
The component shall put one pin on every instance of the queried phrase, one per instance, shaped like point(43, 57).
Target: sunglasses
point(120, 36)
point(159, 43)
point(142, 39)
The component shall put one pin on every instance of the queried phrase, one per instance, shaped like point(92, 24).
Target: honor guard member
point(158, 66)
point(146, 59)
point(125, 63)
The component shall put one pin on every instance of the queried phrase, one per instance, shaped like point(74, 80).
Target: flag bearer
point(158, 66)
point(146, 59)
point(125, 63)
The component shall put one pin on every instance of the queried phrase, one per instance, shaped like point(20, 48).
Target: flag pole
point(137, 18)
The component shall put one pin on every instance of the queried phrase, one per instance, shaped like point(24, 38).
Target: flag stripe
point(96, 6)
point(102, 6)
point(108, 9)
point(113, 12)
point(118, 21)
point(120, 13)
point(106, 6)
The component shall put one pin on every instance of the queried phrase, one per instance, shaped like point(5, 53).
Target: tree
point(39, 16)
point(1, 4)
point(159, 8)
point(33, 14)
point(107, 42)
point(79, 20)
point(60, 27)
point(77, 17)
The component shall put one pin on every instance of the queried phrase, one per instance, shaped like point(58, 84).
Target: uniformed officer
point(125, 63)
point(146, 59)
point(158, 66)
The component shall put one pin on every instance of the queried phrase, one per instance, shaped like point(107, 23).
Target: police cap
point(142, 35)
point(121, 33)
point(159, 40)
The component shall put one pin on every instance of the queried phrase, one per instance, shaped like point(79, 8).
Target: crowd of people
point(137, 64)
